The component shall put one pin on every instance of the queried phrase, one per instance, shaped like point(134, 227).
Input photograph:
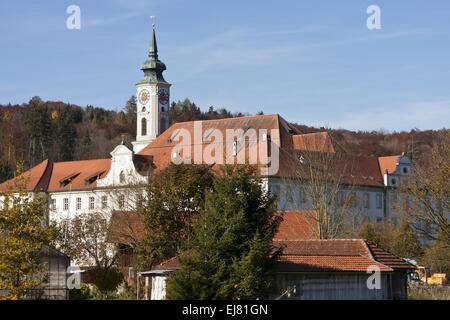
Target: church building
point(268, 141)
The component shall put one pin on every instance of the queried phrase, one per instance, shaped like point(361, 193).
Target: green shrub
point(106, 280)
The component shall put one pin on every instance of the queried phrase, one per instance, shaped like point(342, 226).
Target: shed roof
point(334, 255)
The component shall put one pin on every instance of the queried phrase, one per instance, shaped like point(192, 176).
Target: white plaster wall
point(122, 161)
point(158, 287)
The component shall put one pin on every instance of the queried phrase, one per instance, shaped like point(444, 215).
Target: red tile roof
point(319, 141)
point(338, 247)
point(162, 147)
point(354, 255)
point(387, 258)
point(388, 163)
point(172, 263)
point(37, 177)
point(158, 154)
point(354, 169)
point(296, 263)
point(296, 225)
point(335, 255)
point(86, 169)
point(49, 176)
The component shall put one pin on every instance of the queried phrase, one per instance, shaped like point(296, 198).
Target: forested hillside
point(39, 130)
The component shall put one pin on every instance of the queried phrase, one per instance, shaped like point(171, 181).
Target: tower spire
point(153, 53)
point(153, 67)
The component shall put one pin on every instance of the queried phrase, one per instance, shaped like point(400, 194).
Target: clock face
point(144, 96)
point(163, 95)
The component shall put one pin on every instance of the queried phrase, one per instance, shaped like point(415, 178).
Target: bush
point(106, 280)
point(84, 293)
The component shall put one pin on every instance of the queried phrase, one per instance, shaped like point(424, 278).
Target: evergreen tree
point(6, 172)
point(37, 130)
point(368, 233)
point(64, 134)
point(131, 109)
point(230, 255)
point(121, 118)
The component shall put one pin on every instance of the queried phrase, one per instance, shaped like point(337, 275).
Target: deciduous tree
point(24, 233)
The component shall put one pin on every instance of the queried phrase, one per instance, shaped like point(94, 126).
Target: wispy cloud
point(238, 47)
point(423, 115)
point(109, 20)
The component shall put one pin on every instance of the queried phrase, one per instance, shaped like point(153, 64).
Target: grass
point(428, 292)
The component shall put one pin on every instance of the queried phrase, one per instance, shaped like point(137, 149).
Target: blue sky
point(314, 62)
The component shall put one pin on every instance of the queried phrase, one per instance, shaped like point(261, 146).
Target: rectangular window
point(121, 201)
point(379, 201)
point(104, 202)
point(78, 203)
point(66, 204)
point(366, 200)
point(53, 204)
point(91, 203)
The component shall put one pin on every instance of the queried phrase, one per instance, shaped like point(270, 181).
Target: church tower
point(152, 100)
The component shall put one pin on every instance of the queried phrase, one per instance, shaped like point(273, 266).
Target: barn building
point(338, 269)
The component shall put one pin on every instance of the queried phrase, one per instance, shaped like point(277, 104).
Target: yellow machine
point(439, 278)
point(420, 274)
point(423, 275)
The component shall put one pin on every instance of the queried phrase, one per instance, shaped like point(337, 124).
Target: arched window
point(143, 127)
point(121, 177)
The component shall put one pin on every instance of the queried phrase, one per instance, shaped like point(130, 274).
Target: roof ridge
point(390, 156)
point(229, 119)
point(353, 239)
point(366, 246)
point(81, 160)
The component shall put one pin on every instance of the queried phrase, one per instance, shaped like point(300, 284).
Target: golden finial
point(153, 18)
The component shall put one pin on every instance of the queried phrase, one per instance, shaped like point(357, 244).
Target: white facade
point(113, 191)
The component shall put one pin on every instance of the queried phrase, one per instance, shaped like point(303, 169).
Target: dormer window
point(393, 181)
point(405, 170)
point(93, 178)
point(122, 177)
point(67, 179)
